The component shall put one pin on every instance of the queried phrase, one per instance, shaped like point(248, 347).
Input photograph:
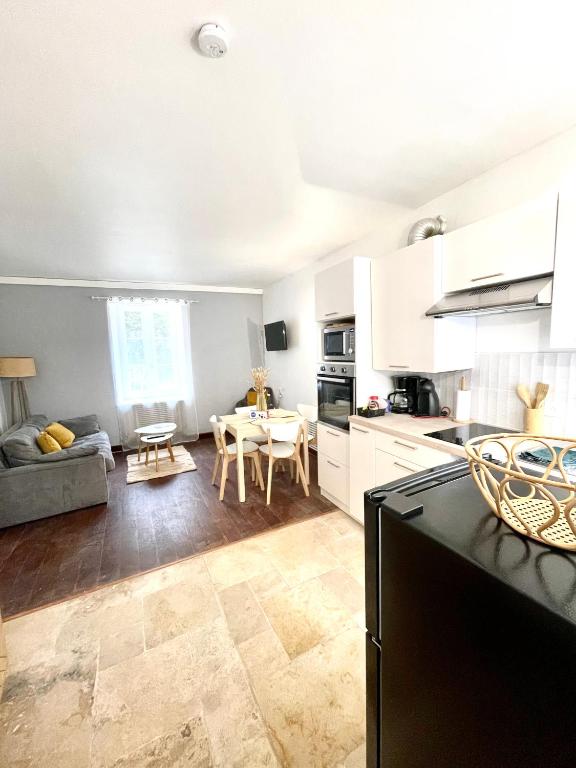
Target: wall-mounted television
point(275, 334)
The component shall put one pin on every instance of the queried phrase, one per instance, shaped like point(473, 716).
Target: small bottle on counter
point(373, 403)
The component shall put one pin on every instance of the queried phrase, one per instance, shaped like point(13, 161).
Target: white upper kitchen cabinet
point(334, 292)
point(515, 244)
point(562, 325)
point(405, 284)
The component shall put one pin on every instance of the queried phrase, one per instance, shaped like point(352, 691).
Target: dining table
point(242, 427)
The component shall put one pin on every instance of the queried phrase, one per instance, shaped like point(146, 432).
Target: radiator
point(154, 413)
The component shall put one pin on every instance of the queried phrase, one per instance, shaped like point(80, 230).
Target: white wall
point(292, 370)
point(514, 349)
point(523, 177)
point(67, 334)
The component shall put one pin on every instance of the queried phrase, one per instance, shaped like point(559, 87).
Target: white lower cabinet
point(362, 468)
point(413, 454)
point(377, 458)
point(333, 480)
point(333, 442)
point(389, 468)
point(333, 471)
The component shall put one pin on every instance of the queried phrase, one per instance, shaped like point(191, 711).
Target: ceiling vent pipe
point(426, 228)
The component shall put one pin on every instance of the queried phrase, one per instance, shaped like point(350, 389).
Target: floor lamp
point(18, 368)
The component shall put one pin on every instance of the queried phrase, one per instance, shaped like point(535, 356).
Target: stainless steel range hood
point(508, 297)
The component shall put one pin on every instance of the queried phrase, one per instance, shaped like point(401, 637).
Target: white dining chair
point(310, 413)
point(228, 453)
point(284, 443)
point(263, 438)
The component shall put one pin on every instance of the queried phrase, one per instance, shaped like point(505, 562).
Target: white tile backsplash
point(494, 380)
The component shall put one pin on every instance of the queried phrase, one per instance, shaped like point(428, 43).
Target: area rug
point(138, 471)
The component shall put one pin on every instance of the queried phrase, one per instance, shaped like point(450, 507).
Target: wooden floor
point(144, 525)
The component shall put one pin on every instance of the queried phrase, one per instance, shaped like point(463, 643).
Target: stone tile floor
point(250, 655)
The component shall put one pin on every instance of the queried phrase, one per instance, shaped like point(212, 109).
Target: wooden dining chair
point(259, 439)
point(310, 413)
point(284, 443)
point(228, 453)
point(263, 438)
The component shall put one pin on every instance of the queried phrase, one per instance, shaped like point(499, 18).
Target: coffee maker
point(414, 395)
point(428, 402)
point(404, 398)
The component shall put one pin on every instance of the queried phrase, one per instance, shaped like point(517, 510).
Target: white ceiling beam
point(127, 284)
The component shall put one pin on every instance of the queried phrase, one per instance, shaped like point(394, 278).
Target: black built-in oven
point(336, 394)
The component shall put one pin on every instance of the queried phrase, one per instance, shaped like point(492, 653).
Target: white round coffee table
point(156, 440)
point(157, 429)
point(153, 430)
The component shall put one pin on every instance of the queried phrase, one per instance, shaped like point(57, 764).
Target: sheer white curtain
point(152, 366)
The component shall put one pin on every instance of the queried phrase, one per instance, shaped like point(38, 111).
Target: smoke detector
point(212, 41)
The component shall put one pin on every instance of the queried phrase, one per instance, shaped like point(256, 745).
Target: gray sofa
point(35, 485)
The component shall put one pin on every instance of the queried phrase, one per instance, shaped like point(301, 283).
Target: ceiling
point(126, 155)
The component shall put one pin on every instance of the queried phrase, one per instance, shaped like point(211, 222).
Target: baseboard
point(335, 501)
point(201, 436)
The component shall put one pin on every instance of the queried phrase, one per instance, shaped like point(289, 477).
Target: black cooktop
point(464, 432)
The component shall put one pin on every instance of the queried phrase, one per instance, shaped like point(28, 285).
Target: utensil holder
point(534, 420)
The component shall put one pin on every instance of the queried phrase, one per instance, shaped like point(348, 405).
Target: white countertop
point(413, 428)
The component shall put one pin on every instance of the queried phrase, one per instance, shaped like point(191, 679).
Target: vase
point(261, 402)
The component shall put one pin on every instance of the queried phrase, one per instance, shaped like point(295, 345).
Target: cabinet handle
point(357, 429)
point(403, 466)
point(406, 445)
point(485, 277)
point(329, 314)
point(332, 464)
point(334, 434)
point(398, 366)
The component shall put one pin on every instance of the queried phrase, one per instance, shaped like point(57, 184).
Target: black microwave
point(339, 342)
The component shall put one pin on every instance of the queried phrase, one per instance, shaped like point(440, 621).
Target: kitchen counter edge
point(414, 430)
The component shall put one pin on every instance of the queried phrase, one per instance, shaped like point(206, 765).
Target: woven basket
point(542, 507)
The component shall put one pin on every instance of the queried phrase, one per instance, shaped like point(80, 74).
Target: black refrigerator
point(471, 633)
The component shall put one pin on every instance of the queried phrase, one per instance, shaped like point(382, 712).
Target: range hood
point(506, 297)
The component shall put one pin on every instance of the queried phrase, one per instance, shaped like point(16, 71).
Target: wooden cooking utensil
point(524, 394)
point(541, 392)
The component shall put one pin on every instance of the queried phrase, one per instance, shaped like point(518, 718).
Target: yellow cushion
point(47, 443)
point(63, 436)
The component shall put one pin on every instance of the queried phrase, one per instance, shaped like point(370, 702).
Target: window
point(150, 351)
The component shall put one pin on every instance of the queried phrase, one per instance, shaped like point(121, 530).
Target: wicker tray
point(541, 507)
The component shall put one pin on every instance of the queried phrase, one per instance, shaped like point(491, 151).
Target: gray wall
point(67, 334)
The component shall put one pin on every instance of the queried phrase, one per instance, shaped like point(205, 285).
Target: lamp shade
point(17, 367)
